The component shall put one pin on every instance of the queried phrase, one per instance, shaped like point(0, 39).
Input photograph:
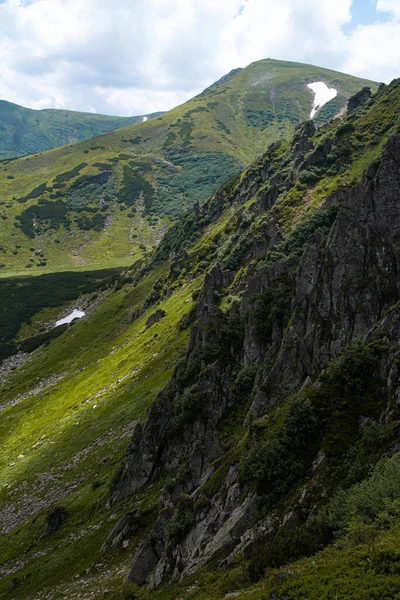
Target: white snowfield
point(76, 314)
point(322, 95)
point(144, 119)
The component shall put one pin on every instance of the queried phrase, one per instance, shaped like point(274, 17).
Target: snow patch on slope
point(322, 95)
point(76, 314)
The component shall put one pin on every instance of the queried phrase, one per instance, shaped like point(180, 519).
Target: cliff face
point(244, 363)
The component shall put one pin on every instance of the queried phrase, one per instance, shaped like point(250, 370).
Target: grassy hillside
point(106, 201)
point(67, 414)
point(26, 131)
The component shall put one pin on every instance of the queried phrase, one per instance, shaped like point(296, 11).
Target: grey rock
point(155, 317)
point(358, 99)
point(54, 520)
point(346, 287)
point(146, 559)
point(125, 527)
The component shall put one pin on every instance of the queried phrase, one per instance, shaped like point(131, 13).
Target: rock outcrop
point(344, 287)
point(358, 100)
point(155, 317)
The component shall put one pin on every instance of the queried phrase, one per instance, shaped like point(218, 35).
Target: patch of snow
point(76, 314)
point(322, 95)
point(144, 119)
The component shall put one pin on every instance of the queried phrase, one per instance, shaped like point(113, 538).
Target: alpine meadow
point(200, 344)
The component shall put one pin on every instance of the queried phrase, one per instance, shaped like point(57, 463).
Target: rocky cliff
point(312, 321)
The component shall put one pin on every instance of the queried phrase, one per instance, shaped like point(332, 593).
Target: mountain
point(107, 201)
point(224, 421)
point(26, 131)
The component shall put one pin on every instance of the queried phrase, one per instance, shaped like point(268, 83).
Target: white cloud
point(391, 6)
point(373, 50)
point(139, 56)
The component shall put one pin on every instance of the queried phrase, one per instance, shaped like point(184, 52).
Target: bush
point(195, 177)
point(288, 545)
point(182, 520)
point(133, 185)
point(271, 307)
point(375, 498)
point(45, 215)
point(245, 379)
point(187, 319)
point(187, 408)
point(321, 220)
point(276, 464)
point(35, 193)
point(349, 388)
point(308, 176)
point(68, 175)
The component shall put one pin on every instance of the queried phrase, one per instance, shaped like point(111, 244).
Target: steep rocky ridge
point(271, 384)
point(343, 288)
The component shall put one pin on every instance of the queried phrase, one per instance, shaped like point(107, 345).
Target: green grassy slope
point(104, 202)
point(68, 412)
point(26, 131)
point(22, 298)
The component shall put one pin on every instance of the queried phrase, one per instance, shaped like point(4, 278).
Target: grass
point(344, 570)
point(26, 131)
point(160, 168)
point(80, 397)
point(76, 428)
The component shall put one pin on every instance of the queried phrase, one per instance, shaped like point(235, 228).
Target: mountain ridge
point(25, 131)
point(225, 421)
point(106, 201)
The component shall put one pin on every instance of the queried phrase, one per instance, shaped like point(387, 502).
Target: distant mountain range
point(26, 131)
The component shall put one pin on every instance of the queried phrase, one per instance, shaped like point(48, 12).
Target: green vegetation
point(26, 131)
point(196, 175)
point(77, 424)
point(23, 297)
point(322, 463)
point(160, 167)
point(272, 309)
point(133, 186)
point(37, 218)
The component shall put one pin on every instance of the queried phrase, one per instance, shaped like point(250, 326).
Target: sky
point(134, 57)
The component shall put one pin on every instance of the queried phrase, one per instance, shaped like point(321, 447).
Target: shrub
point(288, 545)
point(35, 193)
point(182, 520)
point(271, 307)
point(187, 319)
point(68, 175)
point(133, 185)
point(187, 408)
point(377, 497)
point(277, 463)
point(245, 379)
point(321, 220)
point(46, 215)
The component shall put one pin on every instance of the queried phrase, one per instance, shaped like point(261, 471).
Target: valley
point(223, 421)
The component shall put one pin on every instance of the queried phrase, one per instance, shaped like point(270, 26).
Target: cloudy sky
point(128, 57)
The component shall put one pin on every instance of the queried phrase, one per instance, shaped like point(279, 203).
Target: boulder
point(155, 317)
